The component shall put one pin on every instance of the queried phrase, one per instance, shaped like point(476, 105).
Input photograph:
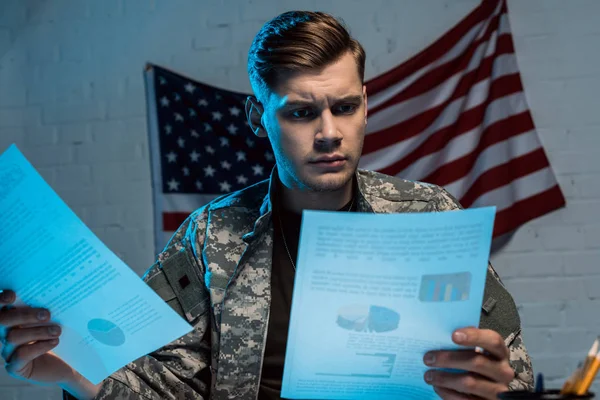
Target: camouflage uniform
point(216, 272)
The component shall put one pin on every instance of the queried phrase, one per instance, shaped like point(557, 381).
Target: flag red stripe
point(527, 209)
point(495, 133)
point(445, 71)
point(413, 126)
point(172, 220)
point(467, 121)
point(504, 174)
point(435, 50)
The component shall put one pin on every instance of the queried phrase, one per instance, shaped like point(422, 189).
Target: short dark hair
point(296, 41)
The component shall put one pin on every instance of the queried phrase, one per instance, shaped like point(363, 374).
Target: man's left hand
point(486, 373)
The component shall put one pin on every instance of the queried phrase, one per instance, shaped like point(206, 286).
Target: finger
point(447, 394)
point(467, 383)
point(489, 340)
point(7, 296)
point(23, 316)
point(19, 336)
point(28, 352)
point(469, 360)
point(7, 351)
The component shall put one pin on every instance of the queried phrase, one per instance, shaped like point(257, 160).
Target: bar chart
point(445, 287)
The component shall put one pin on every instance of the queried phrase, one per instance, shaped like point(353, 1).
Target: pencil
point(588, 376)
point(591, 355)
point(582, 371)
point(571, 381)
point(574, 381)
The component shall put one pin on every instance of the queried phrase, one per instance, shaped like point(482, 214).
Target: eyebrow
point(354, 98)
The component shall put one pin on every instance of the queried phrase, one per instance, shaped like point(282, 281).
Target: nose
point(328, 132)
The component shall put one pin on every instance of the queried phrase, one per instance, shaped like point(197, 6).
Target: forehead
point(336, 80)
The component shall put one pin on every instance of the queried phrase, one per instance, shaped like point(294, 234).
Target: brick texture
point(72, 98)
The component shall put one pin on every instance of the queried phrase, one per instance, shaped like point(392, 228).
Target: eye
point(303, 113)
point(347, 108)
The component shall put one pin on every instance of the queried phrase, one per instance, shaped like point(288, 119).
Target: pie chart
point(106, 332)
point(367, 318)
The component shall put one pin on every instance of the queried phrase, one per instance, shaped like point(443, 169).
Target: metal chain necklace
point(283, 235)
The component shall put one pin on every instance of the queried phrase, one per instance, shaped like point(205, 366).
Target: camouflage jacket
point(216, 272)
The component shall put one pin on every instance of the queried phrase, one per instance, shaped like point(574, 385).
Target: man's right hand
point(27, 337)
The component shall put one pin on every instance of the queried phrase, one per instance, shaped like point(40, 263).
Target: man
point(229, 269)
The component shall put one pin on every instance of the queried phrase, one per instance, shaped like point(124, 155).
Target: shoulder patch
point(179, 269)
point(499, 311)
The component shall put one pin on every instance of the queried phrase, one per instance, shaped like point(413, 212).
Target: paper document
point(374, 292)
point(109, 316)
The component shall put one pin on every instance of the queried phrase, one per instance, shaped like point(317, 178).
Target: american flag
point(454, 115)
point(201, 147)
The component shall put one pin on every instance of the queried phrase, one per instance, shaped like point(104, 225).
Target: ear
point(365, 98)
point(254, 113)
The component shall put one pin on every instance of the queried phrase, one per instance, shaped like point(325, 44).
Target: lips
point(333, 162)
point(329, 159)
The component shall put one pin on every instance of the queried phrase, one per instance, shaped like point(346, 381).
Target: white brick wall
point(72, 98)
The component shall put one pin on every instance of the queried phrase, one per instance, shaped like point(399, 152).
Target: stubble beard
point(324, 183)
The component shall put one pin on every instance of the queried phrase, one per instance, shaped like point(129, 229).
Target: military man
point(237, 254)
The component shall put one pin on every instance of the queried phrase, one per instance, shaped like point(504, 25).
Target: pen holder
point(545, 395)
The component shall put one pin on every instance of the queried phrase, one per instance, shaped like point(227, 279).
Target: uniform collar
point(266, 208)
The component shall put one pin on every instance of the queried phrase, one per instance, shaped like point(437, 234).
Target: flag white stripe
point(462, 146)
point(517, 190)
point(505, 64)
point(456, 51)
point(492, 157)
point(496, 111)
point(476, 32)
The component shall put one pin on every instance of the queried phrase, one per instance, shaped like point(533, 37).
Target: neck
point(296, 200)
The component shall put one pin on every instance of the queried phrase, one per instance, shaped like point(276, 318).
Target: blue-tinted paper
point(374, 292)
point(109, 316)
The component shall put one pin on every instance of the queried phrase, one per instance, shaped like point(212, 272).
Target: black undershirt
point(282, 286)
